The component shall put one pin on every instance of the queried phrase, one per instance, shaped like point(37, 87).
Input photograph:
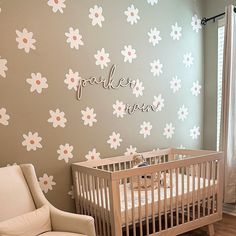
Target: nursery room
point(117, 118)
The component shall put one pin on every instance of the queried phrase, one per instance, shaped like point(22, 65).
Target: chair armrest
point(69, 222)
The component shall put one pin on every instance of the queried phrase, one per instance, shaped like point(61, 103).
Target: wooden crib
point(179, 191)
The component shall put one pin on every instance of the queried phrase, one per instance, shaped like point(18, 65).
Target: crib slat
point(198, 191)
point(171, 198)
point(139, 207)
point(153, 202)
point(84, 194)
point(95, 203)
point(102, 205)
point(107, 207)
point(193, 189)
point(126, 207)
point(204, 188)
point(188, 195)
point(208, 188)
point(146, 204)
point(182, 193)
point(165, 199)
point(213, 187)
point(99, 204)
point(177, 195)
point(133, 206)
point(159, 200)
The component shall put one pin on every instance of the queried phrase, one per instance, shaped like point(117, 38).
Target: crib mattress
point(180, 196)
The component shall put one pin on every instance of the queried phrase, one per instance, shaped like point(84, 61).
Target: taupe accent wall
point(42, 122)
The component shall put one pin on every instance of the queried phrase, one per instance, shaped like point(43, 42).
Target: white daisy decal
point(196, 88)
point(88, 116)
point(156, 68)
point(129, 53)
point(154, 36)
point(176, 32)
point(95, 14)
point(119, 109)
point(57, 118)
point(196, 23)
point(74, 38)
point(46, 182)
point(114, 140)
point(195, 132)
point(132, 15)
point(152, 2)
point(3, 67)
point(72, 80)
point(130, 151)
point(37, 82)
point(57, 5)
point(145, 129)
point(158, 102)
point(183, 113)
point(25, 40)
point(65, 152)
point(32, 141)
point(138, 88)
point(93, 155)
point(4, 117)
point(71, 193)
point(175, 84)
point(188, 60)
point(169, 131)
point(102, 58)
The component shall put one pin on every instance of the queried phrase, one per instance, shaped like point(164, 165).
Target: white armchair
point(20, 193)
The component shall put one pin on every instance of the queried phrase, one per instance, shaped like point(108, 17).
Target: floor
point(226, 227)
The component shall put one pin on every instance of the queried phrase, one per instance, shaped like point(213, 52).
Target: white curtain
point(228, 126)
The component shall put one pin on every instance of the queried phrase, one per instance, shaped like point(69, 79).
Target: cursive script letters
point(107, 83)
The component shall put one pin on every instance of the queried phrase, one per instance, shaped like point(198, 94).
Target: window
point(221, 31)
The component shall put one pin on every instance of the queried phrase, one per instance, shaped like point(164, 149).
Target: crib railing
point(174, 190)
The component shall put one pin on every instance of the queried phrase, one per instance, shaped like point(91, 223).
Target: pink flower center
point(31, 141)
point(129, 53)
point(114, 140)
point(72, 80)
point(119, 108)
point(74, 38)
point(56, 1)
point(154, 37)
point(137, 88)
point(92, 157)
point(96, 14)
point(156, 67)
point(146, 128)
point(65, 151)
point(88, 116)
point(58, 118)
point(45, 182)
point(25, 40)
point(38, 82)
point(101, 58)
point(168, 130)
point(131, 13)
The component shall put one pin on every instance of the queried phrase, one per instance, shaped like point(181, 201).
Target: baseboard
point(229, 209)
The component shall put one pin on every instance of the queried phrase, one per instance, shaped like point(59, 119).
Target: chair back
point(15, 196)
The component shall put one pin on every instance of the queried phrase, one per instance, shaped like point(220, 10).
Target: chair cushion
point(15, 196)
point(55, 233)
point(29, 224)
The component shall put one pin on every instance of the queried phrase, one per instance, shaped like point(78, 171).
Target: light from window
point(221, 31)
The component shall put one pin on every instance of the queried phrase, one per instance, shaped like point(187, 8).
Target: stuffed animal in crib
point(138, 161)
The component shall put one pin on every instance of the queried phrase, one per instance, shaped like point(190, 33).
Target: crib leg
point(211, 231)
